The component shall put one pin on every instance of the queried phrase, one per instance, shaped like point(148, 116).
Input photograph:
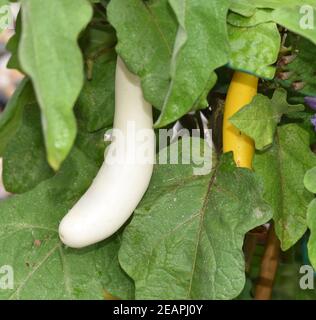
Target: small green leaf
point(260, 16)
point(202, 102)
point(4, 14)
point(310, 180)
point(95, 105)
point(25, 164)
point(242, 7)
point(275, 4)
point(54, 63)
point(282, 168)
point(260, 118)
point(91, 143)
point(13, 46)
point(11, 118)
point(311, 222)
point(303, 67)
point(97, 40)
point(185, 239)
point(255, 49)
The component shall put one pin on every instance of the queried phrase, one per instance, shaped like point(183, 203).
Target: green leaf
point(310, 180)
point(255, 49)
point(13, 46)
point(303, 120)
point(200, 48)
point(174, 58)
point(202, 101)
point(311, 222)
point(246, 293)
point(92, 144)
point(10, 119)
point(3, 14)
point(287, 281)
point(242, 7)
point(115, 281)
point(287, 13)
point(293, 19)
point(54, 63)
point(29, 242)
point(303, 67)
point(146, 32)
point(282, 167)
point(95, 106)
point(96, 40)
point(260, 16)
point(25, 164)
point(295, 15)
point(260, 118)
point(4, 2)
point(273, 4)
point(185, 239)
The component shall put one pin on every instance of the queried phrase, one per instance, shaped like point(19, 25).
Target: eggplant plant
point(98, 207)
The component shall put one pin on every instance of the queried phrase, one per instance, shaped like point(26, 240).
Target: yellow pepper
point(242, 89)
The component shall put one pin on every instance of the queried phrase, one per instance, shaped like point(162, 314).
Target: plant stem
point(269, 266)
point(249, 249)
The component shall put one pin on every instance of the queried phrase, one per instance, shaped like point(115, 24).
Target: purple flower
point(311, 101)
point(313, 121)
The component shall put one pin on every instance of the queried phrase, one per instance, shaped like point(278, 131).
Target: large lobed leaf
point(50, 55)
point(200, 47)
point(185, 239)
point(146, 32)
point(282, 168)
point(174, 49)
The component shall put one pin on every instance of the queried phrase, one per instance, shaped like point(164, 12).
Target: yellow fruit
point(241, 91)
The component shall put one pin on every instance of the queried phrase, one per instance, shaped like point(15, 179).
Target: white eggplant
point(119, 185)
